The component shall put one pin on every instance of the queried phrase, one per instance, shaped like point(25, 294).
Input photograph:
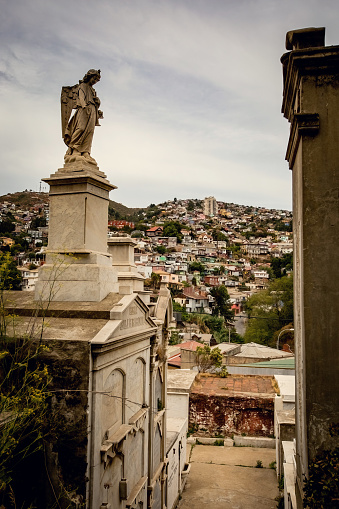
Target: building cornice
point(321, 61)
point(304, 124)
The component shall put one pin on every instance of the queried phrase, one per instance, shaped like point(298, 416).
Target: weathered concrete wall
point(177, 405)
point(310, 103)
point(236, 404)
point(211, 415)
point(176, 456)
point(68, 365)
point(188, 359)
point(285, 432)
point(56, 463)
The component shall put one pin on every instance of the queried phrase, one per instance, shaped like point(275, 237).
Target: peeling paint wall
point(211, 415)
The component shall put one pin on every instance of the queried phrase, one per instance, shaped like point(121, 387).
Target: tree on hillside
point(235, 248)
point(137, 235)
point(208, 359)
point(38, 222)
point(6, 227)
point(214, 323)
point(161, 249)
point(10, 277)
point(197, 266)
point(199, 320)
point(190, 206)
point(174, 338)
point(222, 334)
point(155, 280)
point(21, 243)
point(269, 311)
point(173, 229)
point(222, 305)
point(218, 236)
point(152, 212)
point(127, 229)
point(113, 214)
point(141, 226)
point(283, 226)
point(178, 308)
point(279, 266)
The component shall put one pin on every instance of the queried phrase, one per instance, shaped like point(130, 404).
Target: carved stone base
point(75, 278)
point(78, 266)
point(75, 165)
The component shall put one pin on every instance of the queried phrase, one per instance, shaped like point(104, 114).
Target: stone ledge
point(228, 442)
point(240, 441)
point(23, 304)
point(132, 499)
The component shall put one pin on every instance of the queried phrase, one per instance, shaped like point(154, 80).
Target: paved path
point(226, 478)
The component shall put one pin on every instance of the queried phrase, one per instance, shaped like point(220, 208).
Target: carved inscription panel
point(133, 318)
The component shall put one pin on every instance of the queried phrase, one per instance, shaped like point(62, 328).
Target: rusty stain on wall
point(238, 404)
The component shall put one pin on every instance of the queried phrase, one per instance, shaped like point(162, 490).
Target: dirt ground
point(227, 478)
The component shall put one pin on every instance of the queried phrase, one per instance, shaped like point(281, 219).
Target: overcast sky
point(191, 92)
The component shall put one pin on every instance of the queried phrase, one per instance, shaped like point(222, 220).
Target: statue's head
point(90, 74)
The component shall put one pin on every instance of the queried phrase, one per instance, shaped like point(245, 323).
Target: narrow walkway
point(226, 478)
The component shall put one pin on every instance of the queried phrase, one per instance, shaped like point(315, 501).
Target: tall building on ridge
point(210, 206)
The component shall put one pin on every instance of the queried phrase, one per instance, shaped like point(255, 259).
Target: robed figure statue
point(78, 131)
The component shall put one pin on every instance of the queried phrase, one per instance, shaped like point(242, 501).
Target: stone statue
point(78, 131)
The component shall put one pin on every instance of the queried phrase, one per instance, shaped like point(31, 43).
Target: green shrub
point(223, 373)
point(281, 483)
point(321, 488)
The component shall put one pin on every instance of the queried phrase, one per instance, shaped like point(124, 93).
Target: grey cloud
point(191, 92)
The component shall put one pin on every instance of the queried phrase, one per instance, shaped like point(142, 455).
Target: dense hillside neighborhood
point(175, 239)
point(193, 246)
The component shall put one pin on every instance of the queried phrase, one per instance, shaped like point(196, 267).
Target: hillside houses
point(197, 301)
point(25, 215)
point(232, 248)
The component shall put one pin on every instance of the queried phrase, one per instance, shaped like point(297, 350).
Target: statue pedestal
point(78, 266)
point(122, 251)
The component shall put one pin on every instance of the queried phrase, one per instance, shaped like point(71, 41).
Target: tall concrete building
point(210, 206)
point(311, 104)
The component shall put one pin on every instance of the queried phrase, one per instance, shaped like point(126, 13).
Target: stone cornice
point(66, 180)
point(303, 124)
point(128, 241)
point(312, 61)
